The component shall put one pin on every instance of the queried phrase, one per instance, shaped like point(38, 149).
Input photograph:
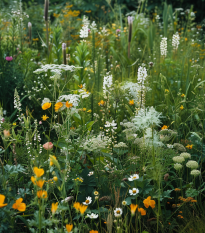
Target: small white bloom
point(118, 212)
point(133, 177)
point(88, 201)
point(133, 191)
point(92, 216)
point(124, 202)
point(90, 173)
point(163, 47)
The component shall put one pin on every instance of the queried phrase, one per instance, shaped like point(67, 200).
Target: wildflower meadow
point(102, 116)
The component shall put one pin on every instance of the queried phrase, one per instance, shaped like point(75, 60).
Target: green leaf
point(89, 125)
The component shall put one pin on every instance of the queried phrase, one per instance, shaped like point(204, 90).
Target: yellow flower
point(142, 211)
point(164, 127)
point(2, 198)
point(131, 102)
point(44, 117)
point(76, 205)
point(51, 161)
point(14, 123)
point(42, 194)
point(84, 109)
point(189, 146)
point(38, 171)
point(54, 207)
point(166, 90)
point(69, 227)
point(18, 205)
point(68, 105)
point(81, 86)
point(92, 231)
point(101, 103)
point(181, 107)
point(89, 111)
point(58, 106)
point(177, 189)
point(83, 208)
point(46, 106)
point(185, 39)
point(133, 208)
point(182, 95)
point(55, 178)
point(33, 179)
point(148, 202)
point(40, 183)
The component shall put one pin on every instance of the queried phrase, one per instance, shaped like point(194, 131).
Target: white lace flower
point(178, 159)
point(185, 155)
point(195, 172)
point(133, 177)
point(92, 216)
point(177, 166)
point(163, 47)
point(87, 201)
point(133, 191)
point(118, 212)
point(192, 164)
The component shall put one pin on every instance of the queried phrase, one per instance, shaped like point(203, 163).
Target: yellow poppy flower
point(54, 207)
point(58, 106)
point(133, 208)
point(2, 198)
point(18, 205)
point(38, 171)
point(68, 105)
point(148, 202)
point(42, 194)
point(46, 106)
point(142, 211)
point(164, 127)
point(69, 227)
point(33, 179)
point(40, 183)
point(181, 107)
point(182, 95)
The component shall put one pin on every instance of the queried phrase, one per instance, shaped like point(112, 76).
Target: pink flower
point(118, 30)
point(9, 58)
point(48, 146)
point(40, 122)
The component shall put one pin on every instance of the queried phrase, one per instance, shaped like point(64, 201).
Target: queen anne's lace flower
point(178, 159)
point(192, 164)
point(195, 172)
point(186, 155)
point(177, 166)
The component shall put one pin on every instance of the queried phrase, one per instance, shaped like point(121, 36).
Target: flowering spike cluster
point(107, 83)
point(175, 41)
point(163, 47)
point(84, 30)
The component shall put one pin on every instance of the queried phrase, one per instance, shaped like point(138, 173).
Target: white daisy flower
point(133, 191)
point(118, 212)
point(87, 201)
point(133, 177)
point(92, 216)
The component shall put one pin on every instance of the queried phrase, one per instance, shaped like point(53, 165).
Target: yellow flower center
point(134, 191)
point(87, 201)
point(118, 211)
